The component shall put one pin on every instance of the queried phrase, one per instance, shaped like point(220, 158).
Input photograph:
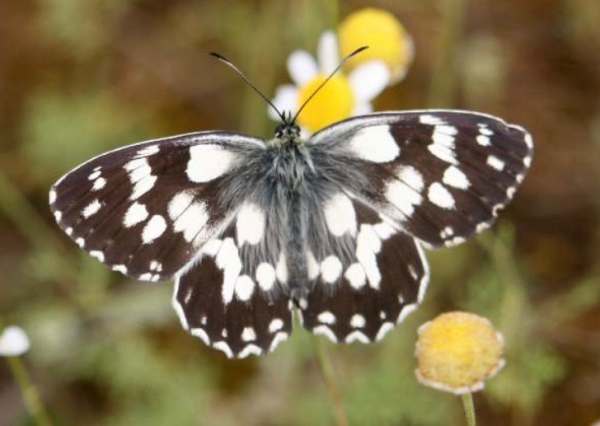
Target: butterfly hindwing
point(441, 175)
point(366, 279)
point(232, 298)
point(146, 209)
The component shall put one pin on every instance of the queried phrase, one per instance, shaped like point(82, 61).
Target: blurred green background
point(79, 77)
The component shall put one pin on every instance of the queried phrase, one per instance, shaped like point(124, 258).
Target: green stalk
point(467, 400)
point(29, 392)
point(329, 377)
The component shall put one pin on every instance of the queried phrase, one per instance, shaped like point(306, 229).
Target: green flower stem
point(330, 382)
point(467, 400)
point(30, 394)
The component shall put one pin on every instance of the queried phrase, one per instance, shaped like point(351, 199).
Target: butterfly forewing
point(146, 209)
point(441, 175)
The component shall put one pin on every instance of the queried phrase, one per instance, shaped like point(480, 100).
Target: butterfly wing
point(146, 209)
point(232, 298)
point(440, 175)
point(365, 279)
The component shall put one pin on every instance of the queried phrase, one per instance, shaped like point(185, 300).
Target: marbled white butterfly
point(332, 227)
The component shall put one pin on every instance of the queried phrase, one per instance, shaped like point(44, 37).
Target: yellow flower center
point(457, 351)
point(334, 102)
point(387, 39)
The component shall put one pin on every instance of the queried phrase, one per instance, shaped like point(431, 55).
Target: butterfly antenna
point(241, 74)
point(342, 62)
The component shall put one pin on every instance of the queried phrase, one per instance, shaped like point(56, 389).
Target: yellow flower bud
point(387, 39)
point(457, 351)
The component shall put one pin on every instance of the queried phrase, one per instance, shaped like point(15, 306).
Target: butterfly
point(332, 227)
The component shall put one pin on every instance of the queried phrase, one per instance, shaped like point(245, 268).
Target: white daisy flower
point(13, 341)
point(344, 96)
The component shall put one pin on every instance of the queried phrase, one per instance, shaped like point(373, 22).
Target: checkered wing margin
point(146, 209)
point(365, 279)
point(439, 175)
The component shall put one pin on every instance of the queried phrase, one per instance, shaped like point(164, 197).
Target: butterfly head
point(287, 130)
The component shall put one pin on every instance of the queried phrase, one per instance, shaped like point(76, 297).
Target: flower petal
point(286, 99)
point(13, 341)
point(305, 133)
point(302, 67)
point(362, 108)
point(368, 80)
point(328, 52)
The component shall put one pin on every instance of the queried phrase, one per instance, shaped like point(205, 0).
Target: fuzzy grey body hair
point(291, 181)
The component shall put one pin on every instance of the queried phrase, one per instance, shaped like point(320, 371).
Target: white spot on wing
point(326, 317)
point(94, 174)
point(265, 276)
point(323, 330)
point(91, 209)
point(143, 186)
point(403, 197)
point(154, 228)
point(138, 169)
point(275, 325)
point(358, 321)
point(357, 336)
point(244, 287)
point(432, 120)
point(340, 215)
point(223, 347)
point(355, 274)
point(375, 144)
point(250, 349)
point(248, 334)
point(411, 177)
point(406, 311)
point(368, 245)
point(201, 334)
point(279, 337)
point(149, 150)
point(135, 214)
point(331, 268)
point(181, 201)
point(384, 230)
point(99, 184)
point(228, 260)
point(52, 196)
point(442, 152)
point(495, 162)
point(97, 254)
point(250, 224)
point(191, 221)
point(441, 136)
point(120, 268)
point(385, 328)
point(208, 162)
point(483, 140)
point(440, 196)
point(454, 177)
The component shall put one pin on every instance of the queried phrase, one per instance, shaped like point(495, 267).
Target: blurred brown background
point(80, 77)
